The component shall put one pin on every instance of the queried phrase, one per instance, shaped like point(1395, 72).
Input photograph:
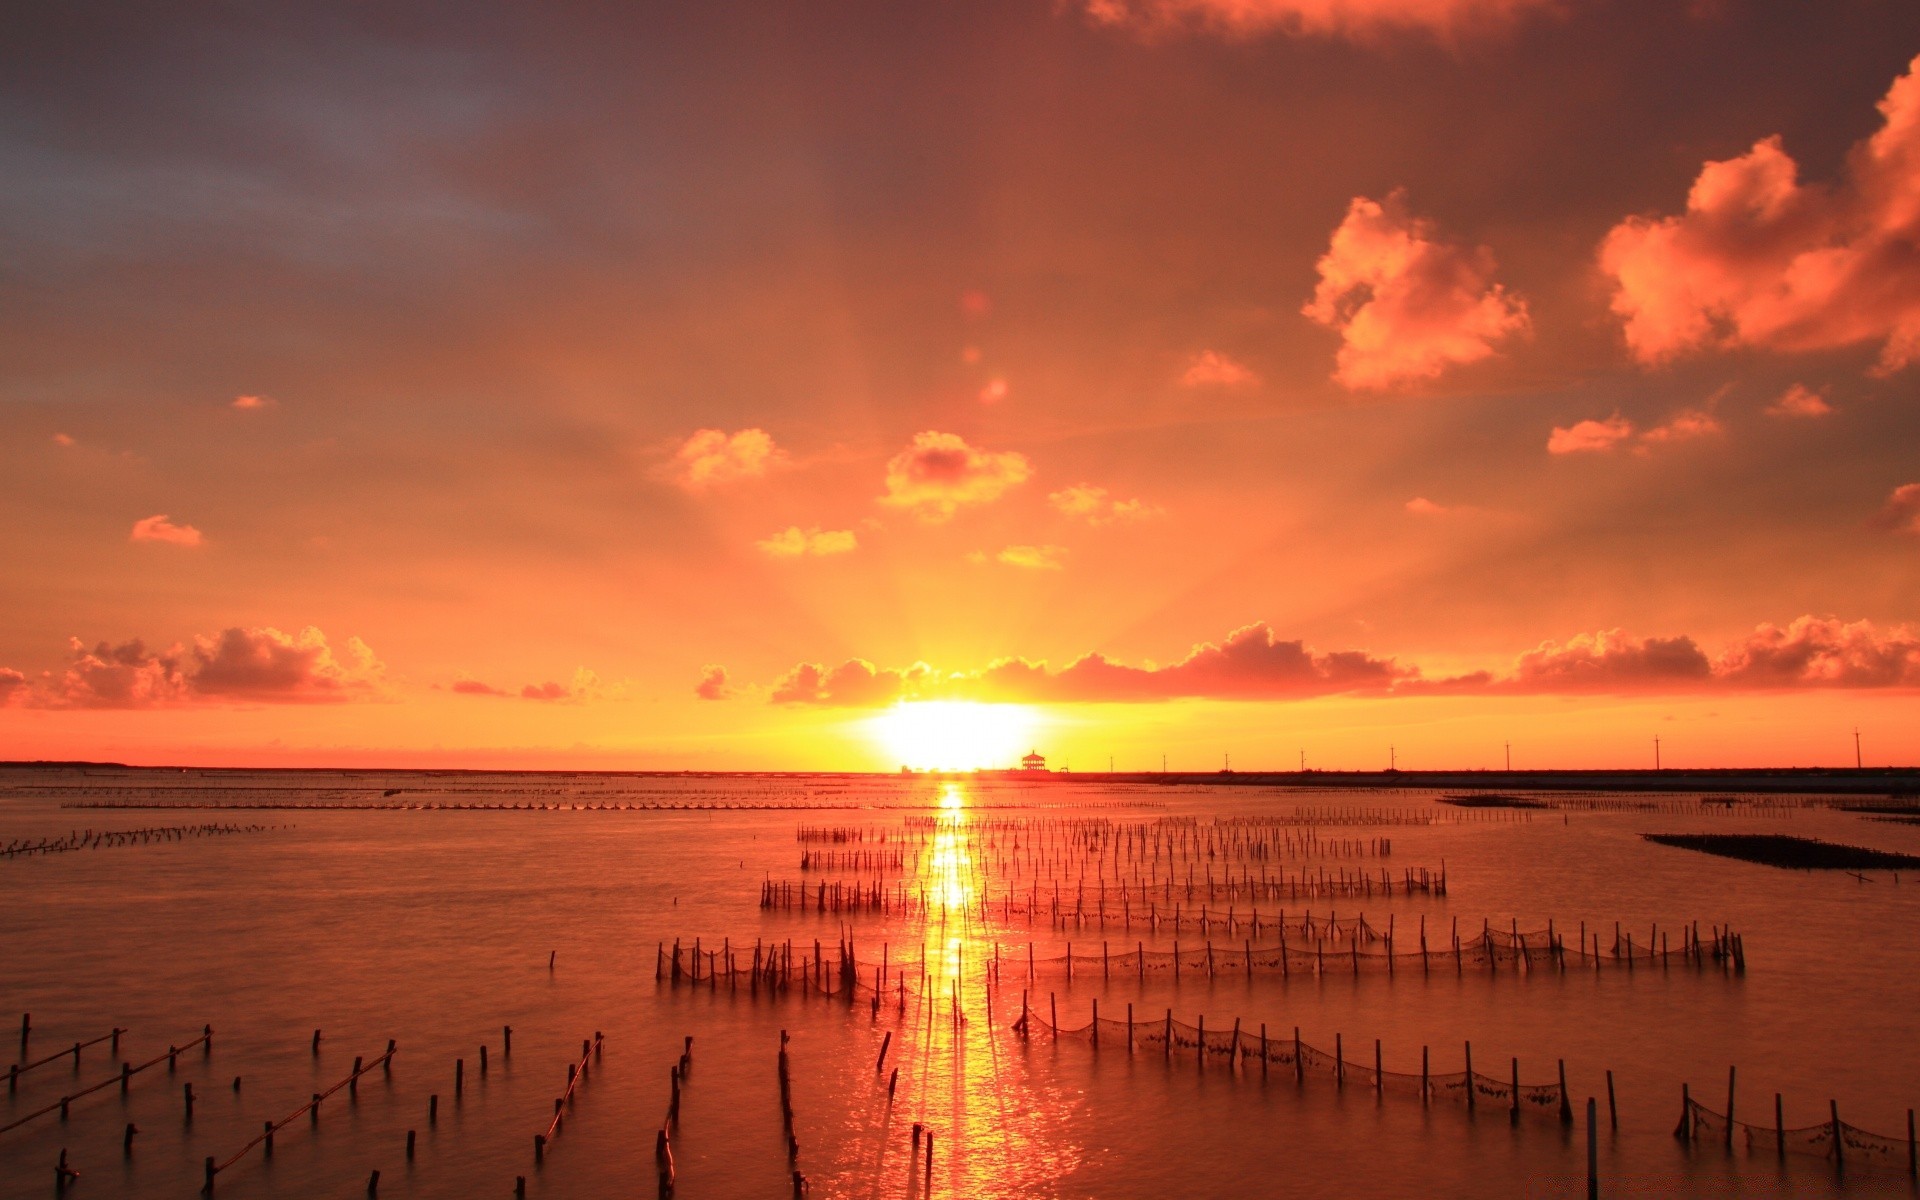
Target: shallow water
point(434, 928)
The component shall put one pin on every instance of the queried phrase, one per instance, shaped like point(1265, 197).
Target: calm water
point(435, 928)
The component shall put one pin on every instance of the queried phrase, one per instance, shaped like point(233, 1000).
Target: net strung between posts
point(1238, 1046)
point(1831, 1139)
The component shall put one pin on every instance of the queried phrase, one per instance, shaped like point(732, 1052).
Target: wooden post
point(1729, 1108)
point(1684, 1130)
point(1424, 1087)
point(410, 1136)
point(1299, 1067)
point(1779, 1127)
point(1379, 1077)
point(539, 1147)
point(1514, 1112)
point(506, 1041)
point(1096, 1024)
point(1593, 1152)
point(1339, 1062)
point(1839, 1138)
point(1566, 1106)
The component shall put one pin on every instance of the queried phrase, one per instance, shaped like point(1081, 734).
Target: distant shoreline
point(1785, 780)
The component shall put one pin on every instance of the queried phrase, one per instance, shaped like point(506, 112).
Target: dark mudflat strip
point(1780, 850)
point(1493, 800)
point(1908, 809)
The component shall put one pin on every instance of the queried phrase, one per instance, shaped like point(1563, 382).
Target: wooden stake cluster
point(310, 1109)
point(786, 1120)
point(124, 1078)
point(576, 1073)
point(15, 1071)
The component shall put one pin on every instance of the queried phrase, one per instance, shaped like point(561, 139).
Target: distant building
point(1034, 761)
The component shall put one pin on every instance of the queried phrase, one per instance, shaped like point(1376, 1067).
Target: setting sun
point(954, 735)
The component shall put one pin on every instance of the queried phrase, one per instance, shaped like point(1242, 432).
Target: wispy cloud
point(160, 528)
point(713, 456)
point(1097, 506)
point(814, 542)
point(1212, 369)
point(1034, 558)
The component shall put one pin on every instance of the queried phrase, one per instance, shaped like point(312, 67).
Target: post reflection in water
point(962, 1072)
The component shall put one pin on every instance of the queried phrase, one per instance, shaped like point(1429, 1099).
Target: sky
point(837, 385)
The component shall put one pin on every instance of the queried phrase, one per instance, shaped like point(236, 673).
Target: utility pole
point(1509, 756)
point(1303, 759)
point(1226, 761)
point(1656, 752)
point(1393, 762)
point(1163, 764)
point(1856, 748)
point(1109, 764)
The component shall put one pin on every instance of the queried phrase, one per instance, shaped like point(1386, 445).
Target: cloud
point(1590, 437)
point(1609, 661)
point(64, 439)
point(12, 684)
point(1902, 510)
point(1420, 506)
point(795, 542)
point(713, 683)
point(1760, 259)
point(1034, 558)
point(1407, 305)
point(855, 683)
point(254, 665)
point(474, 687)
point(249, 403)
point(713, 456)
point(160, 529)
point(939, 473)
point(1096, 506)
point(1823, 652)
point(1210, 368)
point(1351, 18)
point(1800, 401)
point(1684, 426)
point(585, 686)
point(267, 665)
point(1251, 664)
point(994, 392)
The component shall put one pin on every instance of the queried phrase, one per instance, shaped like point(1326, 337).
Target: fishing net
point(1856, 1146)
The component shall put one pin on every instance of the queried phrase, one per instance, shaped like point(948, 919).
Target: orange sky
point(665, 387)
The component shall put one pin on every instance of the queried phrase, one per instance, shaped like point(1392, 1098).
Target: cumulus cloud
point(1610, 661)
point(1034, 558)
point(13, 684)
point(713, 456)
point(713, 683)
point(265, 664)
point(585, 686)
point(1096, 506)
point(1250, 664)
point(1590, 437)
point(1800, 401)
point(1354, 18)
point(248, 403)
point(1407, 305)
point(795, 542)
point(939, 473)
point(855, 683)
point(254, 665)
point(1760, 259)
point(1901, 513)
point(160, 528)
point(1210, 368)
point(1824, 652)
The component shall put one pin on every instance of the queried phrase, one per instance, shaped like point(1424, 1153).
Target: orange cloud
point(855, 683)
point(474, 687)
point(1250, 18)
point(713, 456)
point(795, 542)
point(1420, 506)
point(1096, 506)
point(1590, 437)
point(246, 403)
point(1610, 661)
point(64, 439)
point(939, 473)
point(1210, 368)
point(1824, 652)
point(160, 529)
point(1760, 259)
point(584, 687)
point(1034, 558)
point(259, 665)
point(1684, 426)
point(1902, 510)
point(713, 683)
point(1800, 401)
point(1407, 305)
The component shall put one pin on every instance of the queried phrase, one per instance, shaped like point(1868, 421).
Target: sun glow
point(954, 735)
